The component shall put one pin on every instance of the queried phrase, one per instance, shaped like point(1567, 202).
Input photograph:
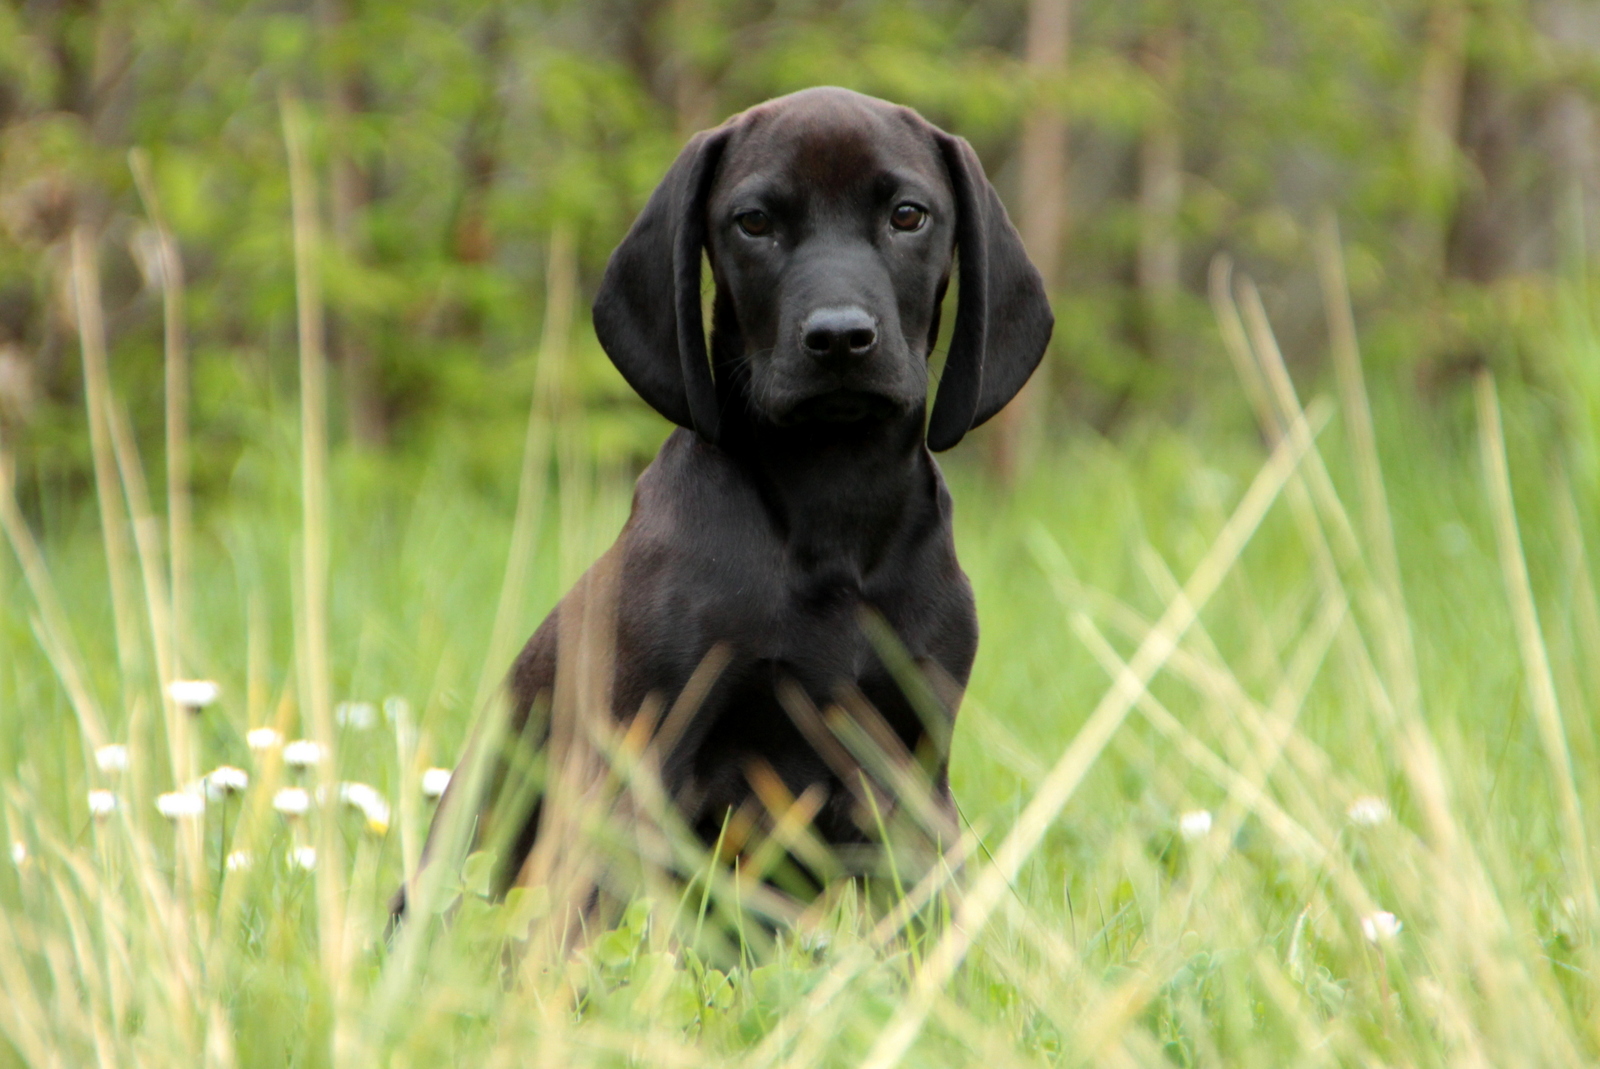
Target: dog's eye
point(755, 223)
point(907, 217)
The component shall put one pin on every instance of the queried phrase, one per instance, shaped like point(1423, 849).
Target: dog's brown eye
point(907, 217)
point(756, 224)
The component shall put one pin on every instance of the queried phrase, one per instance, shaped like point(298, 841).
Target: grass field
point(1280, 749)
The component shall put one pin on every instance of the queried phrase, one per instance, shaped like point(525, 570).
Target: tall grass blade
point(52, 622)
point(560, 293)
point(316, 683)
point(1357, 411)
point(175, 350)
point(994, 880)
point(1530, 643)
point(97, 399)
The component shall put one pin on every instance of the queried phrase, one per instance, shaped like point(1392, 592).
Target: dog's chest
point(713, 560)
point(807, 607)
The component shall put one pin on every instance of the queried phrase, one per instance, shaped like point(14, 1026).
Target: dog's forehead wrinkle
point(760, 190)
point(821, 164)
point(830, 142)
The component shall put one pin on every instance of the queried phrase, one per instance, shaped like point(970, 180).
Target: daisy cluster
point(272, 754)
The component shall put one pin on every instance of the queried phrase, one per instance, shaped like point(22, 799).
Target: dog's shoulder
point(697, 519)
point(693, 495)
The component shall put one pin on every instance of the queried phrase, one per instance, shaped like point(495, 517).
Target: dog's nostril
point(838, 331)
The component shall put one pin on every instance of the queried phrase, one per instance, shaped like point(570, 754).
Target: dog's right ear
point(647, 313)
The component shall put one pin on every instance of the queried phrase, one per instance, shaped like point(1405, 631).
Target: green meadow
point(1279, 751)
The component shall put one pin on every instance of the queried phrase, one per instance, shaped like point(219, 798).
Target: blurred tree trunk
point(1041, 210)
point(655, 34)
point(470, 241)
point(1575, 140)
point(693, 96)
point(1573, 130)
point(1483, 228)
point(642, 48)
point(1529, 145)
point(88, 51)
point(345, 93)
point(1160, 189)
point(1434, 139)
point(62, 25)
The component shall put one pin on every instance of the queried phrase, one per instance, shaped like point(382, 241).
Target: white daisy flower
point(239, 860)
point(377, 811)
point(19, 853)
point(434, 781)
point(225, 780)
point(358, 795)
point(101, 803)
point(1380, 927)
point(292, 801)
point(396, 709)
point(302, 753)
point(177, 805)
point(303, 857)
point(372, 805)
point(1368, 810)
point(1195, 824)
point(260, 739)
point(193, 694)
point(357, 715)
point(111, 759)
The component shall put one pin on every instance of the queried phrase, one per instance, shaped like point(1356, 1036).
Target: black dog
point(799, 494)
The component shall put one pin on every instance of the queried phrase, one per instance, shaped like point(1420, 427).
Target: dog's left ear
point(1003, 320)
point(647, 311)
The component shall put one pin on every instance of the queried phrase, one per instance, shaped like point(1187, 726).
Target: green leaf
point(637, 919)
point(650, 967)
point(477, 874)
point(615, 948)
point(681, 1007)
point(523, 906)
point(719, 989)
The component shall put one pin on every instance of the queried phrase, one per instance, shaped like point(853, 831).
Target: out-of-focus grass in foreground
point(1279, 747)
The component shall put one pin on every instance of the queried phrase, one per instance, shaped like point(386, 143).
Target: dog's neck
point(841, 494)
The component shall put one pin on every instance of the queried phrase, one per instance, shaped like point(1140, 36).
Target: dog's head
point(832, 221)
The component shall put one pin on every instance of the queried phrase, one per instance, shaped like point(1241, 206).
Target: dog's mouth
point(842, 406)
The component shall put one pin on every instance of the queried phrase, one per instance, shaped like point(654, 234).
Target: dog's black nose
point(838, 333)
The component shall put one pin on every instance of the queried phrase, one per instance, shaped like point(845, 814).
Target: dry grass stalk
point(175, 349)
point(1398, 644)
point(52, 623)
point(97, 399)
point(316, 682)
point(1462, 874)
point(181, 741)
point(576, 795)
point(1530, 643)
point(1063, 779)
point(561, 283)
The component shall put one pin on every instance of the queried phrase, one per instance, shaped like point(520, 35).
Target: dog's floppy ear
point(647, 312)
point(1003, 320)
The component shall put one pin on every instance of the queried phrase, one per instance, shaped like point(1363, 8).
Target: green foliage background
point(1409, 631)
point(1456, 142)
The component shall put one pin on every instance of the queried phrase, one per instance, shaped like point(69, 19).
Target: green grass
point(1351, 649)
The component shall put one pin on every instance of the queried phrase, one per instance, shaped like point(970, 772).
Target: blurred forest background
point(463, 147)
